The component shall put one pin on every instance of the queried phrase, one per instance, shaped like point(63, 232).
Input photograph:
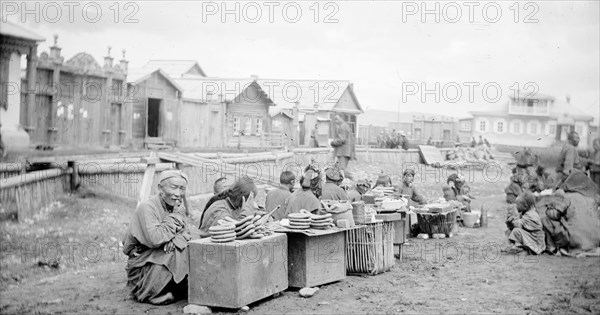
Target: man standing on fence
point(156, 244)
point(343, 144)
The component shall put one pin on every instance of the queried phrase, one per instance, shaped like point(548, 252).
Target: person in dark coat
point(406, 188)
point(343, 143)
point(331, 189)
point(277, 197)
point(525, 229)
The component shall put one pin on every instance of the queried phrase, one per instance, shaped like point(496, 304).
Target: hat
point(409, 171)
point(171, 173)
point(334, 173)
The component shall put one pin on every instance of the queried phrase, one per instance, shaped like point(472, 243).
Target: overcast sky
point(378, 45)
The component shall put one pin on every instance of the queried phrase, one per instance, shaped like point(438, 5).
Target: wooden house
point(176, 68)
point(317, 102)
point(230, 112)
point(155, 100)
point(282, 121)
point(78, 103)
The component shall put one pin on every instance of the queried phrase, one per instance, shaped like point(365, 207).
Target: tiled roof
point(11, 29)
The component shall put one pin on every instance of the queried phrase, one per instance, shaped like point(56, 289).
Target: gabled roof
point(11, 29)
point(528, 95)
point(176, 68)
point(326, 93)
point(283, 111)
point(137, 75)
point(224, 89)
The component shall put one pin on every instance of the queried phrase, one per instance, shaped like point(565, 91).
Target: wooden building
point(16, 119)
point(155, 108)
point(317, 102)
point(78, 103)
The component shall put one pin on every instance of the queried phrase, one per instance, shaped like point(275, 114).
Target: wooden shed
point(156, 104)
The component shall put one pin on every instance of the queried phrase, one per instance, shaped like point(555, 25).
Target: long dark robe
point(149, 268)
point(331, 191)
point(301, 199)
point(277, 197)
point(526, 231)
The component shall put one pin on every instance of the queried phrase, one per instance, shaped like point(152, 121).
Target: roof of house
point(382, 118)
point(137, 75)
point(274, 111)
point(530, 95)
point(15, 30)
point(325, 93)
point(176, 68)
point(205, 89)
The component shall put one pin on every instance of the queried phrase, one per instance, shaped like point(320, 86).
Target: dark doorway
point(153, 117)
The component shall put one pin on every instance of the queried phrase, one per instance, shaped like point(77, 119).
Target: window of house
point(579, 130)
point(482, 126)
point(276, 124)
point(465, 126)
point(500, 127)
point(533, 128)
point(516, 127)
point(236, 124)
point(417, 133)
point(551, 129)
point(259, 126)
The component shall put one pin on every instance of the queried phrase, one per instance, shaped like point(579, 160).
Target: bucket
point(469, 219)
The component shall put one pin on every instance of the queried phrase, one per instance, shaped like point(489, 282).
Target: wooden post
point(148, 177)
point(74, 175)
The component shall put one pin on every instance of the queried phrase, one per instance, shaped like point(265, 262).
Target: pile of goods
point(248, 227)
point(321, 222)
point(300, 221)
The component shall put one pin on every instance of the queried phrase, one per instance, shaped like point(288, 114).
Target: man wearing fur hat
point(307, 197)
point(331, 188)
point(407, 189)
point(156, 243)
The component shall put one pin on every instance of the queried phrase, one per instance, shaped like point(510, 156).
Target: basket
point(370, 250)
point(437, 223)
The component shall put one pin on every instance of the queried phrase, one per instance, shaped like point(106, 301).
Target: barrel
point(358, 212)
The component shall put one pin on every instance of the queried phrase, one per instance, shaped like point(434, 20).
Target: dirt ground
point(463, 274)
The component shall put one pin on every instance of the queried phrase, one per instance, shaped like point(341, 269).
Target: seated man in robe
point(277, 197)
point(555, 225)
point(331, 189)
point(525, 230)
point(361, 188)
point(407, 189)
point(306, 197)
point(156, 243)
point(514, 188)
point(453, 191)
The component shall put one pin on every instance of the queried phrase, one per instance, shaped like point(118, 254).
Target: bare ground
point(463, 274)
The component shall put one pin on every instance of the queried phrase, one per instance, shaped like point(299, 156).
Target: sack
point(340, 210)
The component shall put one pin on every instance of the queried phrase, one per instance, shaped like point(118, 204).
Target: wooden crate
point(370, 248)
point(316, 259)
point(235, 274)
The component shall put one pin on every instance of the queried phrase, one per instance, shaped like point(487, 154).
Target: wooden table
point(315, 257)
point(235, 274)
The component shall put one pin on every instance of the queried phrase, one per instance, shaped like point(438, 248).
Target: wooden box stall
point(370, 248)
point(316, 258)
point(235, 274)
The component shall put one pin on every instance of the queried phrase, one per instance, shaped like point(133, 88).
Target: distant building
point(535, 121)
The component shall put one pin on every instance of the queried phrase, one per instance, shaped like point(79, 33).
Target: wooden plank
point(148, 180)
point(33, 177)
point(431, 154)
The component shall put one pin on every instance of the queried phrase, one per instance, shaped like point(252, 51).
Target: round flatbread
point(256, 235)
point(221, 232)
point(225, 240)
point(245, 229)
point(294, 227)
point(221, 227)
point(243, 236)
point(299, 216)
point(322, 220)
point(223, 236)
point(321, 216)
point(244, 220)
point(321, 224)
point(299, 220)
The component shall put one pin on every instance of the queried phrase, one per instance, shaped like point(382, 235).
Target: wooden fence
point(26, 194)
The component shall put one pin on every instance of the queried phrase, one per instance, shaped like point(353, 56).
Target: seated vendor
point(156, 243)
point(514, 188)
point(331, 189)
point(383, 180)
point(236, 202)
point(305, 198)
point(453, 191)
point(525, 231)
point(361, 188)
point(406, 188)
point(555, 223)
point(277, 197)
